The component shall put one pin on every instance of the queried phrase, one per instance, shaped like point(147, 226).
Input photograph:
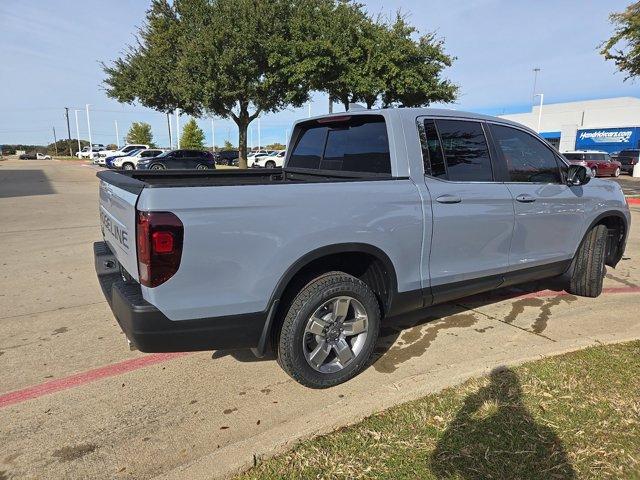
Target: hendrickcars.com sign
point(608, 139)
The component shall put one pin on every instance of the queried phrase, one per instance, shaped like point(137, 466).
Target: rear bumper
point(149, 330)
point(626, 168)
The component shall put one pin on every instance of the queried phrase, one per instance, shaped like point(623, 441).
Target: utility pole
point(55, 141)
point(89, 130)
point(117, 134)
point(541, 95)
point(66, 114)
point(535, 83)
point(178, 127)
point(213, 137)
point(169, 127)
point(77, 129)
point(259, 135)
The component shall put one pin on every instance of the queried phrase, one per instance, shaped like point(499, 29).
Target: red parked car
point(600, 163)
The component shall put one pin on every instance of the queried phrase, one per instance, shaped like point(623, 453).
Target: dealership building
point(609, 124)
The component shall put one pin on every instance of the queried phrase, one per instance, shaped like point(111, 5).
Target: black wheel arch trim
point(302, 262)
point(597, 220)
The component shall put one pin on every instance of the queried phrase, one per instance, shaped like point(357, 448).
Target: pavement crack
point(505, 322)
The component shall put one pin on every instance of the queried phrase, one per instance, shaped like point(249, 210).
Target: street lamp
point(541, 95)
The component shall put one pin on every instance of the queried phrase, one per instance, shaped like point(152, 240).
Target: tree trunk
point(243, 125)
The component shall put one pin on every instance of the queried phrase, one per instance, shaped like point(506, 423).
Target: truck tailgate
point(118, 222)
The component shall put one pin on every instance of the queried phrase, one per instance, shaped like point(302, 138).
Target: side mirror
point(577, 175)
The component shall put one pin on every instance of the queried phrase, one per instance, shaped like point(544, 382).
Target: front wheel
point(617, 172)
point(270, 164)
point(594, 172)
point(128, 166)
point(329, 331)
point(201, 166)
point(157, 166)
point(588, 266)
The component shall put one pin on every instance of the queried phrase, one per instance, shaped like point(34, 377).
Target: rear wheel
point(617, 172)
point(588, 267)
point(594, 172)
point(270, 164)
point(128, 166)
point(329, 331)
point(201, 166)
point(157, 166)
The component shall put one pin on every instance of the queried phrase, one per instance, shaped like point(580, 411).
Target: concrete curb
point(237, 457)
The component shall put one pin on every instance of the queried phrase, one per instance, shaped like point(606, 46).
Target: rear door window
point(527, 158)
point(358, 144)
point(465, 149)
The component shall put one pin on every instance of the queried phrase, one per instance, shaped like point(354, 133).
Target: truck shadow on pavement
point(24, 183)
point(494, 435)
point(402, 337)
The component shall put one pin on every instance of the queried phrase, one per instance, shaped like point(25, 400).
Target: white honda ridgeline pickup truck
point(374, 214)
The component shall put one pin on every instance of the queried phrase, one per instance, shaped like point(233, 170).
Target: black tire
point(291, 356)
point(270, 164)
point(128, 166)
point(202, 166)
point(588, 267)
point(157, 166)
point(616, 173)
point(594, 172)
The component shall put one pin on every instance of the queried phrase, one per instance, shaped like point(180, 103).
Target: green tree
point(228, 146)
point(276, 146)
point(228, 58)
point(140, 132)
point(624, 45)
point(192, 136)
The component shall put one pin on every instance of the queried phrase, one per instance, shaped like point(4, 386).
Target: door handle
point(525, 198)
point(448, 199)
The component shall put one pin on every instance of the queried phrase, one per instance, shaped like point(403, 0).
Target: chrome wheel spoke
point(343, 351)
point(341, 308)
point(355, 326)
point(319, 354)
point(317, 326)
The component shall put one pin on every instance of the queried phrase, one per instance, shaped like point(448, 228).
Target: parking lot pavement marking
point(81, 378)
point(125, 366)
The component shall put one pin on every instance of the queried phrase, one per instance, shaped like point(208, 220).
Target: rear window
point(465, 150)
point(357, 144)
point(573, 156)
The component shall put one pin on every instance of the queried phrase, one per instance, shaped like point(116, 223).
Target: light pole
point(535, 83)
point(541, 95)
point(77, 129)
point(309, 109)
point(89, 129)
point(178, 127)
point(117, 134)
point(259, 135)
point(213, 137)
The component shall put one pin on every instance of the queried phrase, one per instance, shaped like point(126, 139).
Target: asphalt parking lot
point(76, 403)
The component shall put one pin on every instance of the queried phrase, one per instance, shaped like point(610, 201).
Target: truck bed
point(135, 180)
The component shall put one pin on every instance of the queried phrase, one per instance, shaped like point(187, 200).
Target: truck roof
point(414, 112)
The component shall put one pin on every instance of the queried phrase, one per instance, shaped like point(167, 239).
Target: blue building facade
point(608, 139)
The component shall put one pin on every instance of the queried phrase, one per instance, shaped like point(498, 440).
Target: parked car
point(34, 156)
point(179, 159)
point(226, 157)
point(130, 162)
point(599, 163)
point(628, 159)
point(108, 161)
point(90, 152)
point(124, 150)
point(273, 160)
point(254, 157)
point(375, 213)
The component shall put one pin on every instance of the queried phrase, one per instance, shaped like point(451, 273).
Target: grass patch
point(571, 416)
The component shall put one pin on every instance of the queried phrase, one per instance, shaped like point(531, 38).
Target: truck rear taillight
point(159, 238)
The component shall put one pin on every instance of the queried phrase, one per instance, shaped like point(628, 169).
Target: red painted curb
point(125, 366)
point(81, 378)
point(633, 201)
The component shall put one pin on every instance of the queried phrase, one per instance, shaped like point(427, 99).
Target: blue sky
point(52, 49)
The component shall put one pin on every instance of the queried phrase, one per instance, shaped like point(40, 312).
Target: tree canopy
point(624, 45)
point(238, 59)
point(140, 132)
point(192, 136)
